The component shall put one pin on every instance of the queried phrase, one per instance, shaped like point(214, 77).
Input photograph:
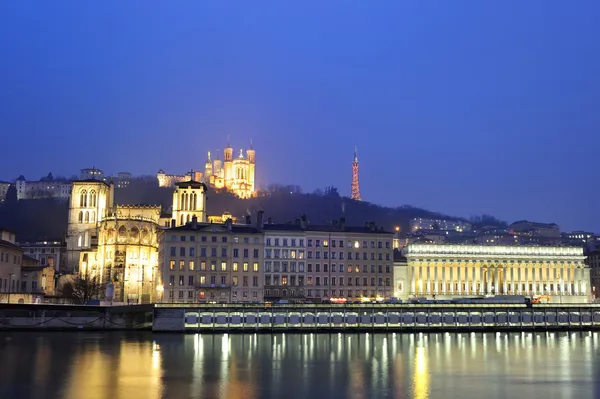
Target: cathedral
point(119, 244)
point(234, 173)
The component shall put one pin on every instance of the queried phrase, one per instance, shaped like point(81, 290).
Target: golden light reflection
point(421, 383)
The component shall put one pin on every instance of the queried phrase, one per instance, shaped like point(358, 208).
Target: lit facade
point(127, 253)
point(448, 271)
point(189, 200)
point(340, 262)
point(4, 186)
point(233, 174)
point(212, 263)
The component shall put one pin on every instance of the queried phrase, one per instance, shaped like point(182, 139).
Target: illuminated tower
point(208, 169)
point(228, 164)
point(251, 154)
point(355, 187)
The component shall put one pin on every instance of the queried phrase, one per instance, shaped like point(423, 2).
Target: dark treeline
point(47, 219)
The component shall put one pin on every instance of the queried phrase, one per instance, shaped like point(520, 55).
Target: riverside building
point(448, 271)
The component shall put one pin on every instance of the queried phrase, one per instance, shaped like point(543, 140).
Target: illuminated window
point(356, 244)
point(202, 279)
point(223, 266)
point(325, 243)
point(235, 266)
point(255, 267)
point(181, 264)
point(172, 265)
point(191, 265)
point(235, 280)
point(245, 266)
point(203, 265)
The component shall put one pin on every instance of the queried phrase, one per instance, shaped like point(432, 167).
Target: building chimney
point(229, 223)
point(194, 222)
point(342, 224)
point(248, 219)
point(259, 220)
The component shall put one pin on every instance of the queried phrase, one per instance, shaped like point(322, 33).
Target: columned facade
point(446, 271)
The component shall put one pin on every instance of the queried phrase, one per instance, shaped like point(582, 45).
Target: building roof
point(91, 181)
point(222, 228)
point(9, 244)
point(325, 228)
point(192, 184)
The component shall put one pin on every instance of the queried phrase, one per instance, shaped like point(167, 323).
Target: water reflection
point(114, 365)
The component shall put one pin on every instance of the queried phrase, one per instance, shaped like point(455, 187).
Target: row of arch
point(87, 199)
point(188, 201)
point(87, 217)
point(122, 235)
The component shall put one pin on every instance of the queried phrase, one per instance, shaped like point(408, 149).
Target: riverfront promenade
point(209, 318)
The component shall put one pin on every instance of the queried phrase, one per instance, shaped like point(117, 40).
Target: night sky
point(463, 107)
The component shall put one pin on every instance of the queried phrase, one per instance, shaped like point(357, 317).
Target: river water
point(145, 365)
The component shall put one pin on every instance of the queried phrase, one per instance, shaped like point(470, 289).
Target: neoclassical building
point(448, 271)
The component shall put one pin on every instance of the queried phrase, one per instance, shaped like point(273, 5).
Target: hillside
point(47, 219)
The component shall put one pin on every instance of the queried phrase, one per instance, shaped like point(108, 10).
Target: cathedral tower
point(88, 204)
point(355, 186)
point(251, 154)
point(228, 163)
point(189, 200)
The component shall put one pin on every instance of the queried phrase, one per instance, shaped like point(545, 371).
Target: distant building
point(46, 253)
point(46, 188)
point(534, 229)
point(417, 224)
point(236, 175)
point(123, 179)
point(91, 174)
point(4, 186)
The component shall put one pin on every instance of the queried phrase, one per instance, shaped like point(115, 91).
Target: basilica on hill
point(234, 173)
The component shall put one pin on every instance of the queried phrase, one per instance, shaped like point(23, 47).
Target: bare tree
point(83, 288)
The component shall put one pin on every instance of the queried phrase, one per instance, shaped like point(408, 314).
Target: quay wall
point(74, 317)
point(356, 318)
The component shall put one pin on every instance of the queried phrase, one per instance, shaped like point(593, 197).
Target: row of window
point(192, 238)
point(191, 251)
point(191, 266)
point(326, 243)
point(284, 267)
point(299, 254)
point(235, 281)
point(5, 257)
point(202, 295)
point(9, 287)
point(323, 293)
point(284, 280)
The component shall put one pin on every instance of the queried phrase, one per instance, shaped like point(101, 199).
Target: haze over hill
point(46, 219)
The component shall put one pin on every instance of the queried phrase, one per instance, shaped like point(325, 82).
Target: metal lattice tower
point(355, 186)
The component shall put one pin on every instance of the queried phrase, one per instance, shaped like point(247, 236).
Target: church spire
point(355, 185)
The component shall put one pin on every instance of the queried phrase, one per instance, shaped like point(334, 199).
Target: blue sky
point(464, 107)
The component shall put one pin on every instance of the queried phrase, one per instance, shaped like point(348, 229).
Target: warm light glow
point(160, 289)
